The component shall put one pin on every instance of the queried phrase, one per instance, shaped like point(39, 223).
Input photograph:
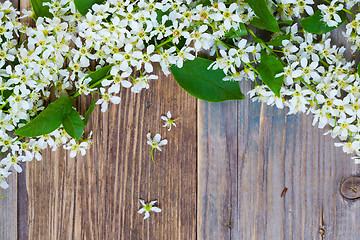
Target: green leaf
point(258, 40)
point(73, 124)
point(358, 69)
point(204, 2)
point(240, 32)
point(39, 9)
point(256, 22)
point(268, 68)
point(160, 14)
point(99, 75)
point(89, 111)
point(48, 120)
point(205, 84)
point(314, 23)
point(265, 18)
point(7, 94)
point(277, 41)
point(83, 6)
point(287, 22)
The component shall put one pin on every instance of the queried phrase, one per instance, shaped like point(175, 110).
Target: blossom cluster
point(320, 81)
point(317, 77)
point(59, 51)
point(132, 37)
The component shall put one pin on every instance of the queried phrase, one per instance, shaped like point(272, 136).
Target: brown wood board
point(97, 196)
point(259, 152)
point(221, 176)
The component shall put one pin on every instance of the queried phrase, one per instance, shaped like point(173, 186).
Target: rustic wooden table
point(220, 177)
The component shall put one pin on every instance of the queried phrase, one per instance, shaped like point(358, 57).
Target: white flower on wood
point(147, 208)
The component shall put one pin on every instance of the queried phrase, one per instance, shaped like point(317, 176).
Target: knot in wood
point(350, 188)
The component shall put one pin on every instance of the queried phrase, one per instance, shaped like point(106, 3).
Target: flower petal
point(157, 138)
point(163, 142)
point(141, 210)
point(155, 209)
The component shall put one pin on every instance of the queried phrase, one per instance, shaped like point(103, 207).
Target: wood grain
point(23, 205)
point(217, 160)
point(97, 196)
point(9, 204)
point(221, 176)
point(244, 165)
point(8, 210)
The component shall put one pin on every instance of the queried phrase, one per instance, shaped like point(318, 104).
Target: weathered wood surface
point(220, 177)
point(248, 153)
point(97, 196)
point(8, 210)
point(9, 204)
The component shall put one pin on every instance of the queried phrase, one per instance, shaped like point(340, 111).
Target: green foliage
point(314, 23)
point(265, 19)
point(240, 32)
point(39, 9)
point(48, 120)
point(287, 22)
point(99, 75)
point(6, 94)
point(89, 111)
point(256, 22)
point(204, 2)
point(83, 6)
point(205, 84)
point(277, 41)
point(160, 14)
point(73, 124)
point(268, 68)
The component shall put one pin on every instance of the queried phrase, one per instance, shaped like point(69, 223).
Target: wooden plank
point(291, 153)
point(22, 203)
point(8, 210)
point(217, 158)
point(274, 151)
point(97, 196)
point(8, 204)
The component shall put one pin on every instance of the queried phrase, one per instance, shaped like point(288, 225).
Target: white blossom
point(147, 208)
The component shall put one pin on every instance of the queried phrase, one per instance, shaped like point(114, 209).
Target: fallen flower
point(147, 207)
point(156, 142)
point(168, 121)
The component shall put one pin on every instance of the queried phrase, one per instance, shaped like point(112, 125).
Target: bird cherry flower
point(4, 173)
point(303, 6)
point(83, 85)
point(155, 143)
point(169, 121)
point(11, 160)
point(76, 147)
point(329, 13)
point(229, 15)
point(183, 55)
point(242, 53)
point(344, 128)
point(349, 147)
point(147, 208)
point(106, 97)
